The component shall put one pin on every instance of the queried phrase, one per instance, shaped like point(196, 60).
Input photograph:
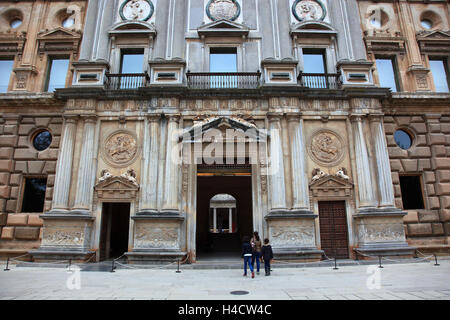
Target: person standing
point(267, 255)
point(247, 255)
point(256, 254)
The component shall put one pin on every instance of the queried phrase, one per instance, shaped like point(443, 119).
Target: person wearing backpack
point(256, 253)
point(267, 254)
point(247, 255)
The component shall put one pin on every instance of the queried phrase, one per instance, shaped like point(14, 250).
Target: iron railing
point(223, 80)
point(320, 80)
point(120, 81)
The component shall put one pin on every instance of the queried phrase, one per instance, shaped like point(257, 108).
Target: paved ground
point(412, 281)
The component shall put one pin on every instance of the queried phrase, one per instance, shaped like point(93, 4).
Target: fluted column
point(276, 172)
point(385, 185)
point(86, 168)
point(298, 151)
point(150, 165)
point(64, 166)
point(170, 197)
point(366, 192)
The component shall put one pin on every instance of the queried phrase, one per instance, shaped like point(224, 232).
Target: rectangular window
point(132, 61)
point(411, 189)
point(57, 73)
point(314, 61)
point(34, 195)
point(6, 67)
point(440, 74)
point(223, 60)
point(387, 73)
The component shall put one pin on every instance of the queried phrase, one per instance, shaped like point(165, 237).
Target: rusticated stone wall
point(429, 157)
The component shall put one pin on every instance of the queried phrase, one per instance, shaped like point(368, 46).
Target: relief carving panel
point(152, 235)
point(120, 148)
point(326, 148)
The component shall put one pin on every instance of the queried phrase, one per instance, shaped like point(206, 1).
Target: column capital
point(294, 116)
point(70, 118)
point(356, 117)
point(154, 117)
point(375, 117)
point(173, 117)
point(89, 118)
point(274, 116)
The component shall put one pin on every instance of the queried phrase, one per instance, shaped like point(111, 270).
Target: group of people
point(254, 250)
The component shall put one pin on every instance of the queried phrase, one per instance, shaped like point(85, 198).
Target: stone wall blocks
point(56, 129)
point(26, 129)
point(14, 193)
point(424, 164)
point(6, 152)
point(50, 180)
point(8, 141)
point(21, 166)
point(396, 152)
point(441, 163)
point(3, 218)
point(438, 151)
point(17, 219)
point(428, 216)
point(28, 120)
point(431, 191)
point(437, 139)
point(7, 233)
point(397, 191)
point(395, 178)
point(388, 119)
point(14, 180)
point(443, 175)
point(443, 188)
point(396, 165)
point(445, 215)
point(4, 178)
point(35, 221)
point(42, 122)
point(48, 154)
point(435, 127)
point(10, 130)
point(390, 141)
point(429, 176)
point(411, 217)
point(445, 202)
point(5, 192)
point(437, 228)
point(409, 165)
point(420, 152)
point(420, 229)
point(49, 193)
point(11, 206)
point(25, 154)
point(418, 127)
point(55, 142)
point(445, 127)
point(403, 121)
point(398, 202)
point(389, 128)
point(26, 233)
point(35, 167)
point(49, 167)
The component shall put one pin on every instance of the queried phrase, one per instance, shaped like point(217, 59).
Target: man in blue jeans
point(247, 255)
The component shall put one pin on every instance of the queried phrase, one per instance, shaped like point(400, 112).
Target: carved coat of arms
point(136, 10)
point(223, 9)
point(305, 10)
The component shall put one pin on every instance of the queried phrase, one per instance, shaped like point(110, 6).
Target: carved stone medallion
point(326, 148)
point(223, 9)
point(120, 148)
point(305, 10)
point(136, 10)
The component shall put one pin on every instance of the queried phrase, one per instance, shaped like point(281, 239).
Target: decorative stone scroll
point(326, 148)
point(136, 10)
point(223, 10)
point(120, 149)
point(305, 10)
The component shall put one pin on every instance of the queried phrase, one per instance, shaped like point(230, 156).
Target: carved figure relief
point(305, 10)
point(284, 236)
point(120, 148)
point(136, 10)
point(156, 237)
point(381, 232)
point(63, 238)
point(342, 173)
point(130, 175)
point(317, 174)
point(326, 148)
point(223, 9)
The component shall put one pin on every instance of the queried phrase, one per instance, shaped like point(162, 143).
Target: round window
point(376, 23)
point(426, 24)
point(403, 139)
point(15, 23)
point(67, 23)
point(42, 140)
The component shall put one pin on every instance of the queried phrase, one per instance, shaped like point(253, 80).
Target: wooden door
point(333, 229)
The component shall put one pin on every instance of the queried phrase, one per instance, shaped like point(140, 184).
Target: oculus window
point(58, 68)
point(440, 74)
point(403, 139)
point(34, 195)
point(411, 189)
point(6, 67)
point(42, 140)
point(387, 73)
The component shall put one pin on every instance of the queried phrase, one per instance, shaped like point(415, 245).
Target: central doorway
point(224, 214)
point(114, 230)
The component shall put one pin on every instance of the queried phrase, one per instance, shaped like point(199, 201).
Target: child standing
point(267, 255)
point(247, 255)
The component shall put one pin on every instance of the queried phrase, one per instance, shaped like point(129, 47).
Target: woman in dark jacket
point(267, 254)
point(247, 255)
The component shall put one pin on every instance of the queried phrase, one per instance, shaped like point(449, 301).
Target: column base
point(298, 254)
point(48, 254)
point(158, 256)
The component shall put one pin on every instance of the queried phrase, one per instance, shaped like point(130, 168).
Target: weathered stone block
point(25, 154)
point(396, 152)
point(428, 216)
point(21, 166)
point(437, 138)
point(419, 127)
point(49, 167)
point(443, 188)
point(411, 217)
point(438, 229)
point(435, 127)
point(396, 165)
point(50, 180)
point(17, 219)
point(409, 165)
point(4, 178)
point(390, 141)
point(438, 151)
point(6, 152)
point(424, 164)
point(421, 140)
point(395, 178)
point(3, 219)
point(430, 189)
point(447, 227)
point(23, 142)
point(445, 127)
point(56, 128)
point(420, 152)
point(14, 193)
point(5, 192)
point(421, 229)
point(388, 119)
point(42, 122)
point(25, 129)
point(6, 165)
point(26, 233)
point(445, 215)
point(35, 167)
point(48, 154)
point(443, 175)
point(446, 202)
point(403, 121)
point(389, 128)
point(7, 233)
point(10, 130)
point(429, 177)
point(35, 221)
point(433, 203)
point(397, 191)
point(8, 141)
point(14, 180)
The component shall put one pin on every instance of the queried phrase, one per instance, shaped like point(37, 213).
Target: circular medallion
point(326, 148)
point(223, 9)
point(305, 10)
point(136, 10)
point(120, 148)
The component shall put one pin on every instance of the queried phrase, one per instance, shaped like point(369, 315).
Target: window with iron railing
point(314, 74)
point(6, 67)
point(131, 74)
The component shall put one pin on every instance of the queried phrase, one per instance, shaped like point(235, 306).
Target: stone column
point(276, 172)
point(170, 197)
point(366, 192)
point(64, 166)
point(215, 220)
point(298, 151)
point(385, 185)
point(86, 168)
point(230, 220)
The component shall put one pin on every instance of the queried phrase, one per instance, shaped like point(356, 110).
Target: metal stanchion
point(335, 264)
point(379, 261)
point(435, 260)
point(178, 267)
point(70, 264)
point(112, 266)
point(7, 265)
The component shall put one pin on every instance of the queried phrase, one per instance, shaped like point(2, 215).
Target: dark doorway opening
point(412, 196)
point(34, 195)
point(333, 229)
point(221, 242)
point(114, 230)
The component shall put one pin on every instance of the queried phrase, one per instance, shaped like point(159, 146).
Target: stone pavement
point(410, 281)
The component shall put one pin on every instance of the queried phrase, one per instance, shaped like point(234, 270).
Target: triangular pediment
point(437, 34)
point(116, 183)
point(58, 33)
point(197, 131)
point(223, 27)
point(331, 182)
